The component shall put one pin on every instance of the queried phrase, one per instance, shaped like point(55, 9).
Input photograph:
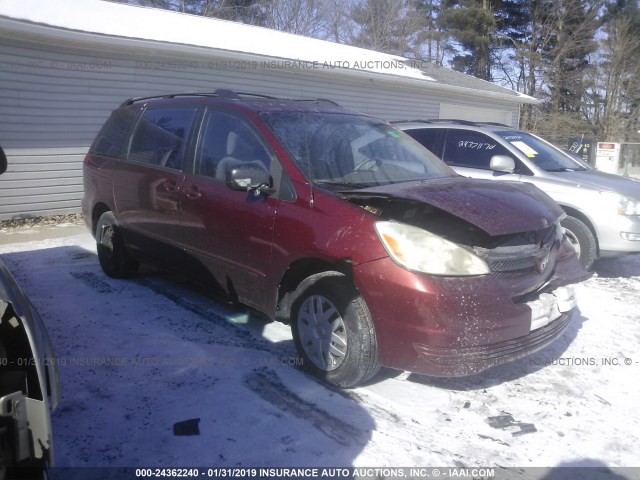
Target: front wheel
point(333, 331)
point(582, 240)
point(112, 252)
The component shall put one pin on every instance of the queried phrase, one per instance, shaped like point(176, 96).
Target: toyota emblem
point(544, 263)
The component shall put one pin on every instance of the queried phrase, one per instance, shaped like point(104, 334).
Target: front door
point(230, 232)
point(470, 153)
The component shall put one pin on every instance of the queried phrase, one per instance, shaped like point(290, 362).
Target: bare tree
point(567, 58)
point(303, 17)
point(550, 56)
point(252, 12)
point(245, 11)
point(339, 27)
point(432, 40)
point(390, 26)
point(525, 65)
point(620, 106)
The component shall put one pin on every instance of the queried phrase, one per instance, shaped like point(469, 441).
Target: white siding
point(41, 182)
point(54, 98)
point(474, 114)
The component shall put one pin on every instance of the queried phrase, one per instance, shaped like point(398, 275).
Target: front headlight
point(623, 205)
point(422, 251)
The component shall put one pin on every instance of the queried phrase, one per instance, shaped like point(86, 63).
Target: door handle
point(170, 186)
point(193, 193)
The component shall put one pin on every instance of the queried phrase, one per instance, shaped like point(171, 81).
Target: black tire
point(341, 349)
point(112, 252)
point(582, 240)
point(5, 457)
point(35, 470)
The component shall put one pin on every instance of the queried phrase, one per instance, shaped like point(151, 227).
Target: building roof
point(115, 24)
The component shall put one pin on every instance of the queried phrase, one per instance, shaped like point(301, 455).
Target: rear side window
point(112, 139)
point(161, 136)
point(432, 138)
point(466, 148)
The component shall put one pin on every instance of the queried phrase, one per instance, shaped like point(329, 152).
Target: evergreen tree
point(482, 29)
point(473, 25)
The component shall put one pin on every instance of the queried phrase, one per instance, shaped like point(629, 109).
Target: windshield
point(352, 151)
point(544, 155)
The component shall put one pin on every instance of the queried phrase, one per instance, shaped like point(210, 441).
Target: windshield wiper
point(559, 170)
point(343, 184)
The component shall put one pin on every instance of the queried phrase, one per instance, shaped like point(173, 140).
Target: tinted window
point(227, 140)
point(432, 138)
point(161, 136)
point(351, 150)
point(465, 148)
point(112, 139)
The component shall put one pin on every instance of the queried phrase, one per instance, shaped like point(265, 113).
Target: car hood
point(497, 208)
point(601, 181)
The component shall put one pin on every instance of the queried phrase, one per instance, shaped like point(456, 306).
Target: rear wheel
point(112, 252)
point(582, 240)
point(333, 331)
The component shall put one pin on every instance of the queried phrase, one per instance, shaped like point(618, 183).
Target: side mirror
point(249, 177)
point(502, 163)
point(3, 161)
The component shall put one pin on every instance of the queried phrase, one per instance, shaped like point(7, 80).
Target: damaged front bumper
point(550, 316)
point(551, 306)
point(443, 326)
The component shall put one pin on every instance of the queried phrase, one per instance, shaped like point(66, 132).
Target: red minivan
point(371, 248)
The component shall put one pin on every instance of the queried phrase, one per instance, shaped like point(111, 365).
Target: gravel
point(72, 218)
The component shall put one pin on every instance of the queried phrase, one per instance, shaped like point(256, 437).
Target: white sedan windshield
point(541, 153)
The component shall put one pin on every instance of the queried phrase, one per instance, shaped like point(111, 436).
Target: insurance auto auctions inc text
point(377, 473)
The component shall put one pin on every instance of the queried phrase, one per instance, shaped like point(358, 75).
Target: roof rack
point(319, 100)
point(410, 121)
point(494, 124)
point(438, 120)
point(453, 120)
point(233, 95)
point(220, 93)
point(456, 121)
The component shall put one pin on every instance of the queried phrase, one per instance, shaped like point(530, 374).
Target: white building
point(65, 64)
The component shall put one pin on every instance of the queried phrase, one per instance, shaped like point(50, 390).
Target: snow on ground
point(139, 356)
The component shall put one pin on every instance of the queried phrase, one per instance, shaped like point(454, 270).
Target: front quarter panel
point(324, 226)
point(599, 211)
point(320, 227)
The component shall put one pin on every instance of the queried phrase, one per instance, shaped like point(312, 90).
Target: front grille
point(512, 267)
point(509, 261)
